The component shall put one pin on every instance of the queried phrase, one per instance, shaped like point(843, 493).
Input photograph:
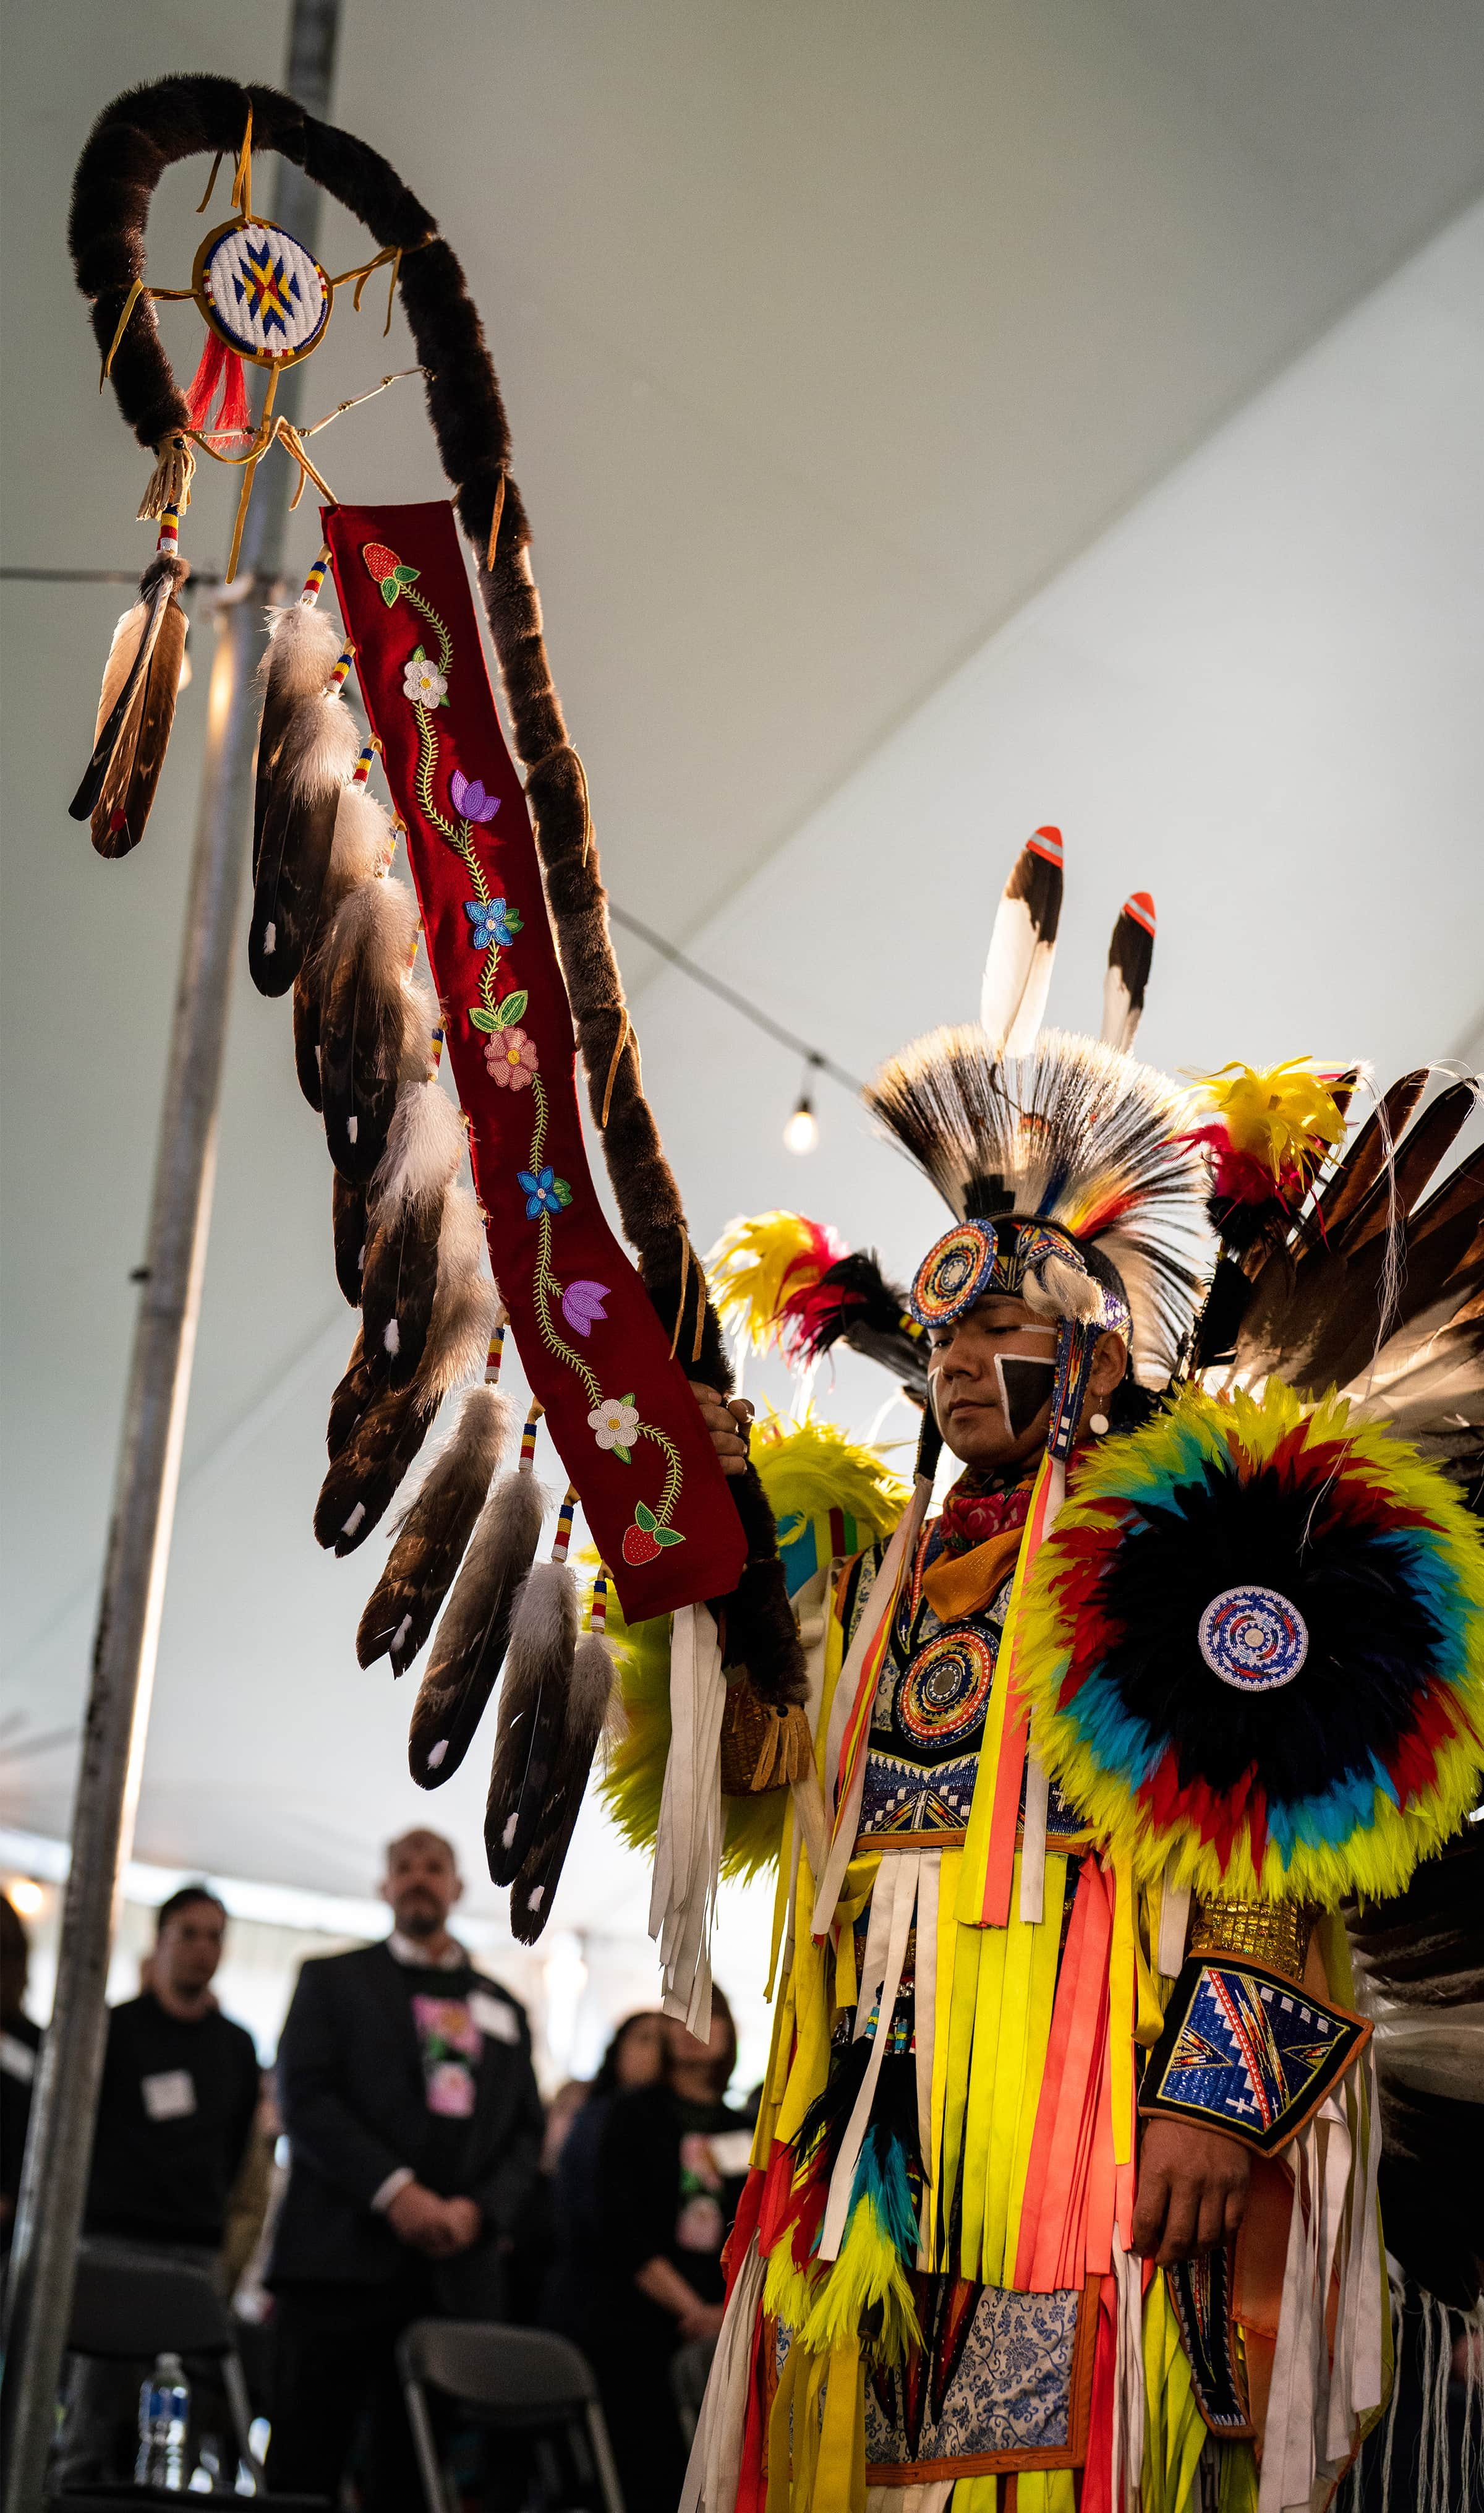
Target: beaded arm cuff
point(1246, 2051)
point(1274, 1933)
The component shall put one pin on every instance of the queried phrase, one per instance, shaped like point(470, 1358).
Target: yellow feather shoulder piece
point(829, 1496)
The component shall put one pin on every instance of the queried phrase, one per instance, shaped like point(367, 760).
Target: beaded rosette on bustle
point(1254, 1648)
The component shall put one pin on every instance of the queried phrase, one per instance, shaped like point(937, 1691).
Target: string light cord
point(813, 1057)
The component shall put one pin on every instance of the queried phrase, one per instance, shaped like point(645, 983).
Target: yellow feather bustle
point(757, 1261)
point(1285, 1116)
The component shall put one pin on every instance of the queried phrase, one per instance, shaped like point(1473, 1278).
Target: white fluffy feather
point(420, 1017)
point(363, 846)
point(380, 917)
point(321, 746)
point(545, 1613)
point(302, 651)
point(424, 1151)
point(466, 1304)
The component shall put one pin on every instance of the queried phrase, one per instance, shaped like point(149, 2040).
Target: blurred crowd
point(396, 2165)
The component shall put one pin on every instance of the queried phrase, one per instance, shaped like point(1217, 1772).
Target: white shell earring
point(1097, 1424)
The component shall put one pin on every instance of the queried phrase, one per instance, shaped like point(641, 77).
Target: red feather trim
point(221, 366)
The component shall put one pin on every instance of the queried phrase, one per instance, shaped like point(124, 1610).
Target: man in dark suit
point(414, 2133)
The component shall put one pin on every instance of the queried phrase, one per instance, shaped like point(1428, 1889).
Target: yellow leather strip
point(812, 2019)
point(961, 1584)
point(981, 2095)
point(1009, 2101)
point(856, 1889)
point(976, 1848)
point(949, 1935)
point(1151, 2021)
point(1041, 1996)
point(968, 1945)
point(843, 2436)
point(780, 2430)
point(1123, 2011)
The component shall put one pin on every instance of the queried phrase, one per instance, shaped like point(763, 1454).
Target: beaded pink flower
point(511, 1057)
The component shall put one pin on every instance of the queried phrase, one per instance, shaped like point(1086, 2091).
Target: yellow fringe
point(1174, 2429)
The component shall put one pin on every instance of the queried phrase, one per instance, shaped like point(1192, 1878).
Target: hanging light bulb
point(802, 1133)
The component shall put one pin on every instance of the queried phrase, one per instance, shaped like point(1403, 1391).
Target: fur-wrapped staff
point(407, 1240)
point(137, 705)
point(469, 1647)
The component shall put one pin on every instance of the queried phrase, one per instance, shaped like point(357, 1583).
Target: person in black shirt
point(672, 2164)
point(414, 2131)
point(181, 2086)
point(179, 2089)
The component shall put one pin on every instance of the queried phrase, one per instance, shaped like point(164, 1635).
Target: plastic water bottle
point(165, 2415)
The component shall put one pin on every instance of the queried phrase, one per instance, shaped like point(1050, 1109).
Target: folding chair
point(133, 2311)
point(689, 2373)
point(515, 2380)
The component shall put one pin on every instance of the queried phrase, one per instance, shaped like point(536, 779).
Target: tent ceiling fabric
point(833, 338)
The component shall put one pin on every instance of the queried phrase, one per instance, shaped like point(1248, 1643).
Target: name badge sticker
point(169, 2096)
point(495, 2020)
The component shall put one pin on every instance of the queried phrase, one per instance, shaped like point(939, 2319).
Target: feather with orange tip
point(1017, 972)
point(1130, 955)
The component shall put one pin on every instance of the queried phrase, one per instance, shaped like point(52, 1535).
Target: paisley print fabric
point(997, 2374)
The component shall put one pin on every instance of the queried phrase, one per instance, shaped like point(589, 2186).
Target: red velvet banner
point(621, 1412)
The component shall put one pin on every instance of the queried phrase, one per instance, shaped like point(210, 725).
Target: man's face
point(965, 1387)
point(188, 1948)
point(421, 1885)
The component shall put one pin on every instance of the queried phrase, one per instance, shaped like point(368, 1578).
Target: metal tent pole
point(59, 2148)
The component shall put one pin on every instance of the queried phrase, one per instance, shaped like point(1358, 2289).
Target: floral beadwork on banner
point(616, 1401)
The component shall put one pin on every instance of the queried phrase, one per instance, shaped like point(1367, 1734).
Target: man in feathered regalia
point(1064, 2188)
point(1066, 2173)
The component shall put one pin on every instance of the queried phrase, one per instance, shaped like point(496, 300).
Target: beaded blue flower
point(544, 1192)
point(493, 921)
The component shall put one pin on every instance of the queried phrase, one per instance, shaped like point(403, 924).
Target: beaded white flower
point(614, 1423)
point(423, 684)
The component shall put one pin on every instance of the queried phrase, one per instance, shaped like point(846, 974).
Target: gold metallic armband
point(1274, 1933)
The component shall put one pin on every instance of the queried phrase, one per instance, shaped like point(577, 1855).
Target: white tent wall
point(825, 348)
